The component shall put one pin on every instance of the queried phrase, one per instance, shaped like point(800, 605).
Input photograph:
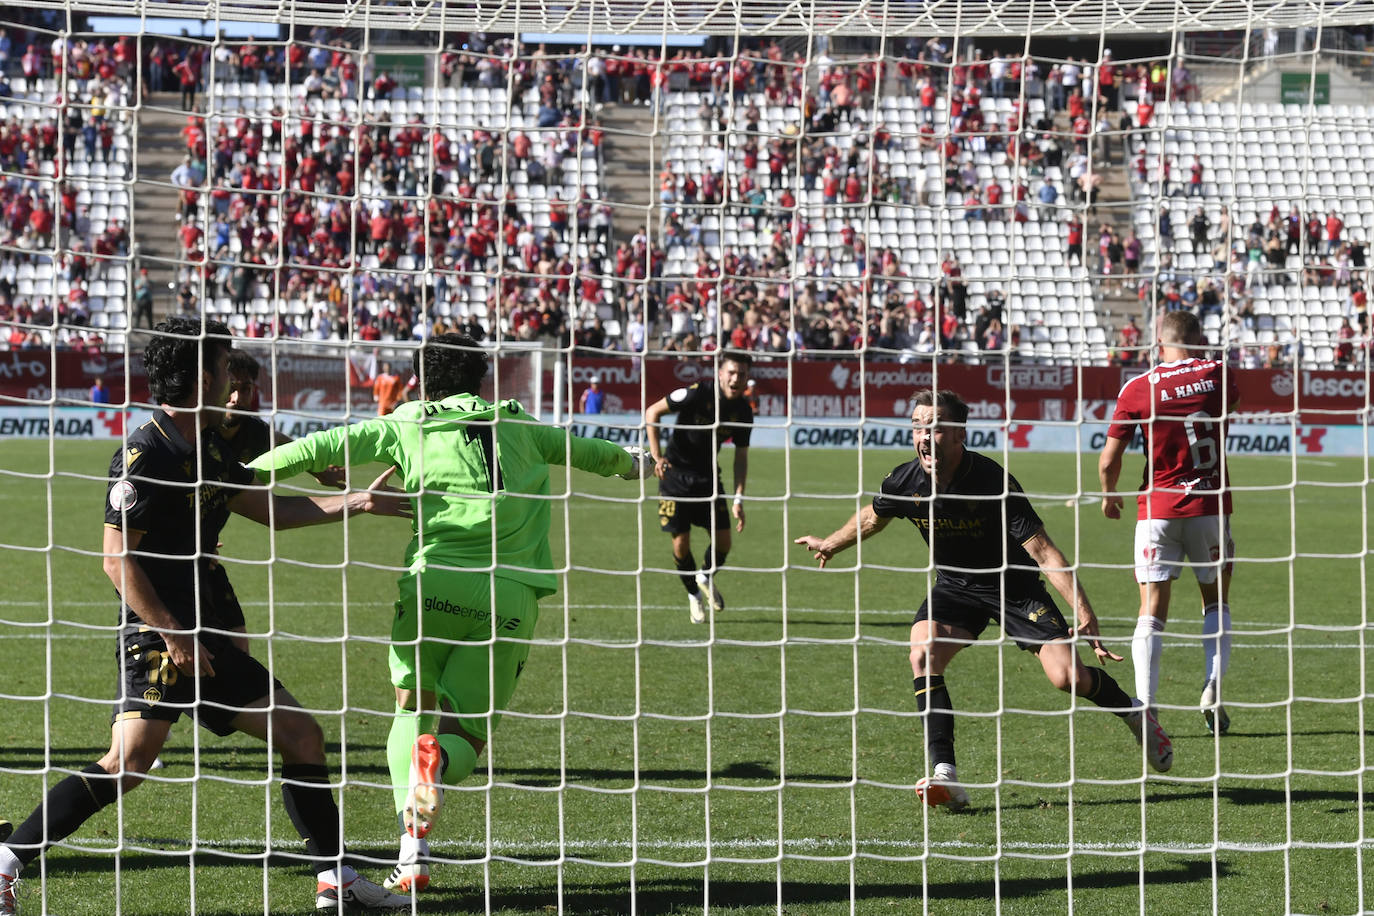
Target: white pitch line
point(654, 643)
point(552, 608)
point(801, 845)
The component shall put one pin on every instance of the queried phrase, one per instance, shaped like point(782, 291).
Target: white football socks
point(1147, 646)
point(1216, 639)
point(412, 849)
point(342, 876)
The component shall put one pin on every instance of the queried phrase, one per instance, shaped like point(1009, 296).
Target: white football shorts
point(1165, 546)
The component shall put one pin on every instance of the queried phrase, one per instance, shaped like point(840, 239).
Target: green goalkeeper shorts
point(446, 639)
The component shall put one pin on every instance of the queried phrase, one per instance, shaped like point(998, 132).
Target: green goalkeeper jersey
point(482, 470)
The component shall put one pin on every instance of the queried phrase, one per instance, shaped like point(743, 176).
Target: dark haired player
point(477, 565)
point(690, 492)
point(247, 433)
point(989, 549)
point(1184, 506)
point(248, 436)
point(171, 490)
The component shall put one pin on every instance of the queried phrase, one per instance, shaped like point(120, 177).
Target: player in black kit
point(172, 487)
point(989, 549)
point(690, 492)
point(248, 436)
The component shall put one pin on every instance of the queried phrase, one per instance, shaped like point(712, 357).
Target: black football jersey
point(158, 488)
point(965, 528)
point(248, 438)
point(696, 438)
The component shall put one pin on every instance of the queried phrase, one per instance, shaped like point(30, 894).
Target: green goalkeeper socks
point(406, 726)
point(460, 759)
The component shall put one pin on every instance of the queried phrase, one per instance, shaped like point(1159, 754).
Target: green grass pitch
point(782, 745)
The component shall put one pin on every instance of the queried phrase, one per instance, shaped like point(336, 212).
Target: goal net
point(872, 199)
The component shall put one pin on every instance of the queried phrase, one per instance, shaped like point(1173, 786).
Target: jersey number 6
point(1202, 440)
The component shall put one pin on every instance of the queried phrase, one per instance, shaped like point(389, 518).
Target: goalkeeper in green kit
point(477, 565)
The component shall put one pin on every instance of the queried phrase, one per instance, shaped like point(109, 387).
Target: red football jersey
point(1181, 407)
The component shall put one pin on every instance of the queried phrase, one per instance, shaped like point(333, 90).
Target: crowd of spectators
point(458, 223)
point(547, 290)
point(1235, 265)
point(795, 285)
point(65, 124)
point(442, 204)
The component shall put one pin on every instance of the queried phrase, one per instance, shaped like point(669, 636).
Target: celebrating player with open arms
point(1184, 506)
point(690, 492)
point(989, 549)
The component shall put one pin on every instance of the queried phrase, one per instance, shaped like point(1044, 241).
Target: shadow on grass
point(744, 771)
point(681, 895)
point(652, 895)
point(180, 757)
point(1236, 795)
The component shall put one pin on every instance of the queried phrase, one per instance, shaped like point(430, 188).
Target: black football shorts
point(686, 499)
point(1029, 616)
point(151, 687)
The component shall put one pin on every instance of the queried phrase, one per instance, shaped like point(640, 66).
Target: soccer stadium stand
point(65, 159)
point(529, 197)
point(898, 209)
point(1282, 275)
point(900, 204)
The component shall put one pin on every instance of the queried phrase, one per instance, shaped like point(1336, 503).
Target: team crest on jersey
point(152, 695)
point(214, 452)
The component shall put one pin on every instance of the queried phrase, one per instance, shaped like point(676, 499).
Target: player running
point(989, 548)
point(689, 489)
point(1184, 506)
point(170, 493)
point(477, 565)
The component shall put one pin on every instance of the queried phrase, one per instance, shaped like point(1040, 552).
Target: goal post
point(870, 198)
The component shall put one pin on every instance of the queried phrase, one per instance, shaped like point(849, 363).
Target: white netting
point(1087, 17)
point(869, 209)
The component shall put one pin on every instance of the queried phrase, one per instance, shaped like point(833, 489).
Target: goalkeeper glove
point(644, 463)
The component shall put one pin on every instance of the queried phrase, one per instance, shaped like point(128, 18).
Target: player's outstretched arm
point(595, 456)
point(864, 524)
point(1109, 475)
point(336, 478)
point(1055, 566)
point(355, 444)
point(283, 512)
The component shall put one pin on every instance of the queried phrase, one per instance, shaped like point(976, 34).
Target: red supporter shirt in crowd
point(1181, 407)
point(42, 221)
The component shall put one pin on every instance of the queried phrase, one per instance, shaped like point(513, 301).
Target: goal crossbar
point(775, 18)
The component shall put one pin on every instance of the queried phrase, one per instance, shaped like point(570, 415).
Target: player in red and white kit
point(1184, 502)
